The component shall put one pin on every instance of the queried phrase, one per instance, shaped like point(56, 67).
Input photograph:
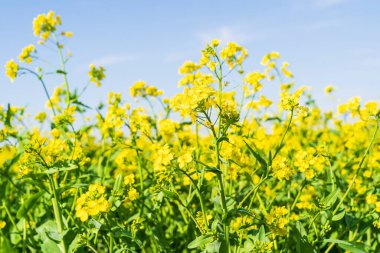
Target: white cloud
point(328, 3)
point(109, 60)
point(176, 56)
point(324, 24)
point(225, 34)
point(370, 62)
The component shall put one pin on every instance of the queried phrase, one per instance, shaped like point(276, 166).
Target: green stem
point(283, 136)
point(63, 68)
point(199, 196)
point(10, 216)
point(43, 86)
point(359, 168)
point(298, 195)
point(179, 200)
point(24, 237)
point(57, 211)
point(217, 157)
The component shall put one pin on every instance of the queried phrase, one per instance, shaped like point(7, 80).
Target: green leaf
point(170, 195)
point(303, 245)
point(330, 199)
point(76, 244)
point(118, 183)
point(243, 211)
point(28, 204)
point(59, 71)
point(274, 119)
point(301, 229)
point(213, 247)
point(7, 121)
point(48, 246)
point(223, 138)
point(261, 160)
point(54, 170)
point(6, 246)
point(353, 247)
point(261, 234)
point(211, 169)
point(339, 216)
point(200, 241)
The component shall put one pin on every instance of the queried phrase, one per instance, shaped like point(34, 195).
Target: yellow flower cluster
point(188, 67)
point(26, 52)
point(96, 74)
point(277, 220)
point(235, 171)
point(254, 79)
point(284, 69)
point(309, 162)
point(45, 24)
point(92, 203)
point(193, 100)
point(114, 120)
point(268, 59)
point(281, 168)
point(141, 89)
point(163, 159)
point(11, 69)
point(233, 54)
point(289, 102)
point(185, 158)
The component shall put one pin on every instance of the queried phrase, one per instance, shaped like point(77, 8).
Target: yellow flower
point(67, 34)
point(2, 224)
point(129, 179)
point(100, 189)
point(25, 55)
point(233, 54)
point(269, 57)
point(141, 89)
point(284, 70)
point(215, 43)
point(290, 101)
point(377, 208)
point(303, 111)
point(96, 74)
point(185, 159)
point(264, 102)
point(82, 215)
point(132, 194)
point(281, 169)
point(277, 221)
point(45, 24)
point(164, 156)
point(11, 69)
point(92, 202)
point(188, 67)
point(41, 116)
point(329, 89)
point(254, 79)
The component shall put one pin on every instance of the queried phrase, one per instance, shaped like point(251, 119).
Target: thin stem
point(63, 68)
point(44, 87)
point(283, 136)
point(217, 158)
point(57, 210)
point(199, 195)
point(359, 168)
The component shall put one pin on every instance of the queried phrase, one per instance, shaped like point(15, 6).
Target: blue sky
point(326, 42)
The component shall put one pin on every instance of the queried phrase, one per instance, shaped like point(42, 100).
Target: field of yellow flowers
point(221, 167)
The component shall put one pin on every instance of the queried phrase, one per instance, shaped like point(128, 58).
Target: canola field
point(220, 167)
